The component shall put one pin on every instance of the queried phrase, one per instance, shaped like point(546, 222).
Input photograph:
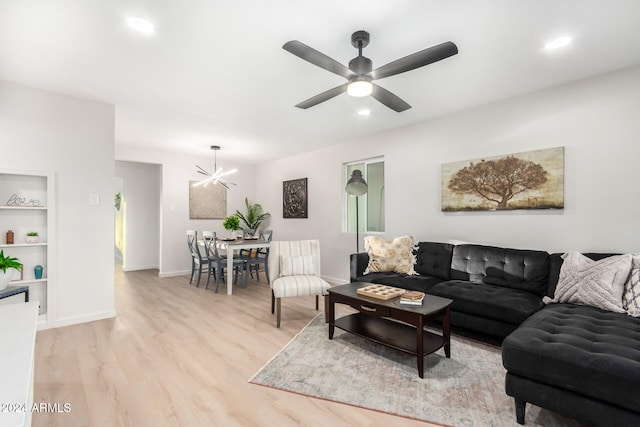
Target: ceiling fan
point(359, 73)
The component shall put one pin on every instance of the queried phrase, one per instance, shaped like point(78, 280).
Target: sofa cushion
point(434, 259)
point(522, 269)
point(490, 301)
point(390, 255)
point(555, 264)
point(590, 351)
point(598, 284)
point(414, 283)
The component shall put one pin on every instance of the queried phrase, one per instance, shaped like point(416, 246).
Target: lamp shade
point(356, 186)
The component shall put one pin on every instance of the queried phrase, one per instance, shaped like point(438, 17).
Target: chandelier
point(218, 174)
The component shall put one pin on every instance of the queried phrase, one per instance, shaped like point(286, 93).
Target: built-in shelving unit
point(26, 202)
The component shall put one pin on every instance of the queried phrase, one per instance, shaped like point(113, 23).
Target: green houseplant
point(231, 224)
point(32, 237)
point(6, 264)
point(254, 216)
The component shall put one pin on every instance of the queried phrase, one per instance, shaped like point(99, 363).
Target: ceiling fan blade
point(415, 60)
point(389, 99)
point(324, 96)
point(311, 55)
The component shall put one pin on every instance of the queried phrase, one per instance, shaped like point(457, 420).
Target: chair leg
point(266, 271)
point(273, 302)
point(199, 275)
point(208, 276)
point(218, 272)
point(317, 302)
point(278, 310)
point(193, 270)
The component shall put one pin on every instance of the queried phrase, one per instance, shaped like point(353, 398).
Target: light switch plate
point(94, 200)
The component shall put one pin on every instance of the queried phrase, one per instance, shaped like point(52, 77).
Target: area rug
point(465, 390)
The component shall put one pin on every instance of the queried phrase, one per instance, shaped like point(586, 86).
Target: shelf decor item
point(37, 272)
point(7, 263)
point(32, 237)
point(10, 237)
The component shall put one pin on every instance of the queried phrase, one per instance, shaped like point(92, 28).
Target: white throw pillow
point(631, 296)
point(296, 265)
point(390, 255)
point(595, 283)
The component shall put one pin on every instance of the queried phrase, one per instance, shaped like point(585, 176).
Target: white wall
point(141, 208)
point(596, 120)
point(177, 170)
point(73, 138)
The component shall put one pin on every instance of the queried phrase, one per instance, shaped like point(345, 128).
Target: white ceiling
point(215, 71)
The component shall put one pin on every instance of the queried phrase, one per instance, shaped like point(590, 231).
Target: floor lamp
point(357, 186)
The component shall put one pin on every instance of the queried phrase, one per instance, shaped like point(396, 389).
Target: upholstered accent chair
point(294, 271)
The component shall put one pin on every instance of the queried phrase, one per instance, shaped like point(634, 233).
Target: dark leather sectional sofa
point(576, 360)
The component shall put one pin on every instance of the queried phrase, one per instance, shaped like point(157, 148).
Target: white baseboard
point(335, 281)
point(90, 317)
point(175, 273)
point(140, 267)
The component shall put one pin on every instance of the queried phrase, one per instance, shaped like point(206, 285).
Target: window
point(371, 205)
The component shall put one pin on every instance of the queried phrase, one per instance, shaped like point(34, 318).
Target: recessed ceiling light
point(557, 43)
point(364, 112)
point(140, 25)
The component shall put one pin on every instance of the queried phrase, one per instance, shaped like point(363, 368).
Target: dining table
point(232, 246)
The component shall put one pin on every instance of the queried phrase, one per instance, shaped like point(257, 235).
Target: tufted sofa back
point(434, 259)
point(523, 269)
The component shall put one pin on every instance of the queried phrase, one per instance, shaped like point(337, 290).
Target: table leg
point(331, 317)
point(420, 345)
point(446, 332)
point(229, 270)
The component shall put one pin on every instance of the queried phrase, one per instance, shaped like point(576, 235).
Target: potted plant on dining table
point(231, 224)
point(253, 217)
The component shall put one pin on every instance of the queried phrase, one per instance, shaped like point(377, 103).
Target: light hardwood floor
point(180, 355)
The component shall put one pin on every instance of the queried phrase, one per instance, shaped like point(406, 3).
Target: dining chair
point(294, 267)
point(260, 256)
point(217, 262)
point(197, 260)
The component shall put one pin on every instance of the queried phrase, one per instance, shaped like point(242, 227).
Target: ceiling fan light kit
point(360, 73)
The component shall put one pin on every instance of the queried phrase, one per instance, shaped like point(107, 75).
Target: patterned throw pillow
point(595, 283)
point(631, 296)
point(296, 265)
point(390, 255)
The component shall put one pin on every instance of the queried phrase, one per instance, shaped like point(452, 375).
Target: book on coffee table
point(412, 298)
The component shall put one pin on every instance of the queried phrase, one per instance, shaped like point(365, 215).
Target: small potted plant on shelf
point(7, 264)
point(231, 224)
point(253, 217)
point(32, 237)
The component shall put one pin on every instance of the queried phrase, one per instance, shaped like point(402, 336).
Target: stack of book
point(412, 298)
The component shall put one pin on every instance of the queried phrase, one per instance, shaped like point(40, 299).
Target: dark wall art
point(530, 180)
point(294, 198)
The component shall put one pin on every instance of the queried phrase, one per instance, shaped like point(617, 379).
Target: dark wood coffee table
point(392, 324)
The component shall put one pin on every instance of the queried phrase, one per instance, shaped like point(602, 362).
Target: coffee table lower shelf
point(387, 332)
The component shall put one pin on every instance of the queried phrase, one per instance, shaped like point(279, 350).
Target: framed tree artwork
point(294, 198)
point(529, 180)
